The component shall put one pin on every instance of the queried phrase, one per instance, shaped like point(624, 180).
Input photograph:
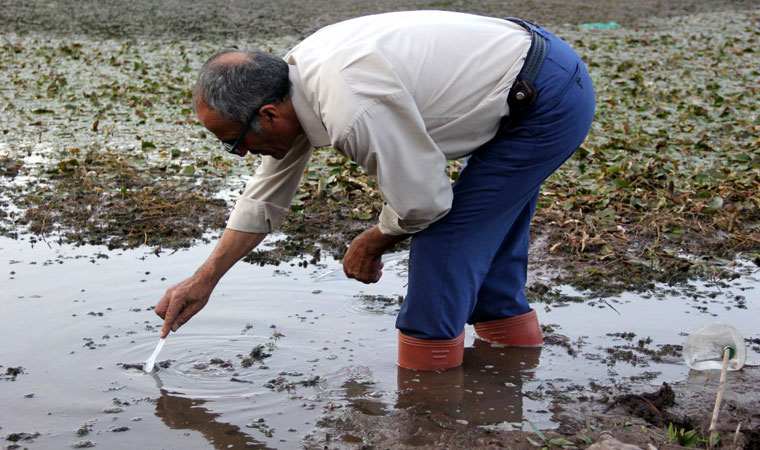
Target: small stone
point(607, 442)
point(83, 444)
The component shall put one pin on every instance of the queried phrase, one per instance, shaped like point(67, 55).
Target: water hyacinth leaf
point(701, 178)
point(533, 442)
point(678, 230)
point(561, 442)
point(188, 170)
point(613, 169)
point(147, 144)
point(361, 215)
point(742, 158)
point(713, 206)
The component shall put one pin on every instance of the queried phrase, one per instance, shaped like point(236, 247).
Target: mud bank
point(638, 419)
point(220, 20)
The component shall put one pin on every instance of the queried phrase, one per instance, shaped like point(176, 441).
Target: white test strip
point(151, 362)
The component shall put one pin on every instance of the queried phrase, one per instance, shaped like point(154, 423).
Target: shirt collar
point(310, 122)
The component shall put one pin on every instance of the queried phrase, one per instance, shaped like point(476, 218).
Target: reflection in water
point(486, 389)
point(181, 413)
point(357, 393)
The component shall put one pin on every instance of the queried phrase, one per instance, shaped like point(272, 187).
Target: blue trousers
point(471, 265)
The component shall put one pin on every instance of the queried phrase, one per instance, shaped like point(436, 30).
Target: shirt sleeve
point(390, 141)
point(266, 199)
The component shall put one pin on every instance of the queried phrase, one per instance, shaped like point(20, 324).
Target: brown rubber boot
point(518, 331)
point(430, 354)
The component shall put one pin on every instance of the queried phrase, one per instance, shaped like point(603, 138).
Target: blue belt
point(523, 93)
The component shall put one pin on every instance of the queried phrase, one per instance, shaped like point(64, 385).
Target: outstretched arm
point(182, 301)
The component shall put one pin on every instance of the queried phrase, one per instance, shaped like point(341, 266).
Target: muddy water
point(76, 319)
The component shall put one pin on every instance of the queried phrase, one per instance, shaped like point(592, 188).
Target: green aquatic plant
point(548, 443)
point(681, 436)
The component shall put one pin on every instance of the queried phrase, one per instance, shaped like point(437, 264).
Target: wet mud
point(652, 407)
point(685, 405)
point(234, 20)
point(434, 420)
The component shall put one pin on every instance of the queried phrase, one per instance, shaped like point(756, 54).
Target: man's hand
point(182, 301)
point(362, 263)
point(363, 258)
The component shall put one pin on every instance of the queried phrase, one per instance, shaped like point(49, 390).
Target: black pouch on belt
point(523, 93)
point(521, 97)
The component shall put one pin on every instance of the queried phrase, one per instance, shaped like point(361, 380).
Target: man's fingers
point(165, 329)
point(183, 317)
point(370, 272)
point(172, 312)
point(162, 306)
point(374, 272)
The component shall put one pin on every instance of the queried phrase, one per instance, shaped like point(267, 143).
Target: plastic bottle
point(704, 348)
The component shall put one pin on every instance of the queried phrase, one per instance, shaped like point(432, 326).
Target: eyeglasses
point(233, 147)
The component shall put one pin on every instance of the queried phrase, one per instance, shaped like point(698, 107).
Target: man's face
point(275, 139)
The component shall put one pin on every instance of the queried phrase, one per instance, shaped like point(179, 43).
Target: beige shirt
point(399, 93)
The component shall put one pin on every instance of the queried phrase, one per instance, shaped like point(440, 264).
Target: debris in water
point(11, 373)
point(16, 437)
point(257, 354)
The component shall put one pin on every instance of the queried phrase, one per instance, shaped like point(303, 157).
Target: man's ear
point(269, 113)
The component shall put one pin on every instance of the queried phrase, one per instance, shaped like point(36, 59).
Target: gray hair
point(237, 90)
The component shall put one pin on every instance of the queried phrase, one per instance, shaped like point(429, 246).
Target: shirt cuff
point(391, 224)
point(255, 216)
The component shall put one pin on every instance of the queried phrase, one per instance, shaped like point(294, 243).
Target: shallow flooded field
point(275, 353)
